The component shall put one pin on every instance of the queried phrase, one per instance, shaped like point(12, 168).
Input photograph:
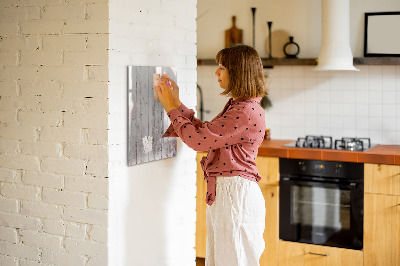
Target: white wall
point(152, 206)
point(301, 19)
point(337, 103)
point(53, 133)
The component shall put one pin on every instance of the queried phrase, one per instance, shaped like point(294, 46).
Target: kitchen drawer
point(268, 167)
point(382, 179)
point(299, 254)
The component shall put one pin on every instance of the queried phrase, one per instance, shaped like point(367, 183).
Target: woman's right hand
point(175, 90)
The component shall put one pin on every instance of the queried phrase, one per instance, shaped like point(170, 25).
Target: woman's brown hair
point(245, 69)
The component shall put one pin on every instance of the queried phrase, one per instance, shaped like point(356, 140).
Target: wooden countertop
point(380, 154)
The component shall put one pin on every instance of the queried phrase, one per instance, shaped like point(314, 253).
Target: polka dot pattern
point(232, 139)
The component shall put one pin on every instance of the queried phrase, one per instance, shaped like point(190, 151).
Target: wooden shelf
point(377, 61)
point(269, 63)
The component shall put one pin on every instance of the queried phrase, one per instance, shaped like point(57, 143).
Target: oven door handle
point(319, 182)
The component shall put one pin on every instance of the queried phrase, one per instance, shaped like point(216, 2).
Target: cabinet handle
point(318, 254)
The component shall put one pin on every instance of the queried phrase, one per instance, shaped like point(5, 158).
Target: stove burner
point(324, 142)
point(353, 144)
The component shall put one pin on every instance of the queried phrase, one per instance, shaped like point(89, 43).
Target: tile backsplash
point(363, 103)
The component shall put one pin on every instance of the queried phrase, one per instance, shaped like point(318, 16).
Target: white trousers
point(235, 223)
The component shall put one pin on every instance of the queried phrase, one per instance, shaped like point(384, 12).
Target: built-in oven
point(321, 202)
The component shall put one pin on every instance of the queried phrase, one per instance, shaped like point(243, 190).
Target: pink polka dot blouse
point(232, 139)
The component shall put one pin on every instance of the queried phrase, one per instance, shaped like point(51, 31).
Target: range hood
point(335, 52)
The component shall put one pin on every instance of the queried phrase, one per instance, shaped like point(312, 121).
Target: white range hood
point(335, 52)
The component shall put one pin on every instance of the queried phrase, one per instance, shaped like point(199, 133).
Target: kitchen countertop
point(380, 154)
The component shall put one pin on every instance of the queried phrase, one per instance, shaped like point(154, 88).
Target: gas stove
point(326, 142)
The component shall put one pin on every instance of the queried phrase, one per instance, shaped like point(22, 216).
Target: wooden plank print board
point(147, 120)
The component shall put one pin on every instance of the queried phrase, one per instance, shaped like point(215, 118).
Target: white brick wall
point(152, 206)
point(53, 136)
point(60, 139)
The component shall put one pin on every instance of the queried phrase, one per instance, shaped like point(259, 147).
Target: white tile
point(336, 83)
point(298, 83)
point(389, 124)
point(349, 96)
point(376, 136)
point(310, 109)
point(310, 95)
point(336, 109)
point(389, 97)
point(389, 84)
point(336, 133)
point(286, 83)
point(298, 120)
point(298, 71)
point(389, 137)
point(375, 97)
point(362, 133)
point(286, 120)
point(310, 82)
point(299, 97)
point(362, 79)
point(323, 83)
point(310, 122)
point(299, 107)
point(323, 109)
point(389, 110)
point(388, 71)
point(375, 123)
point(362, 97)
point(375, 110)
point(398, 137)
point(323, 95)
point(285, 71)
point(324, 131)
point(362, 123)
point(336, 121)
point(397, 72)
point(374, 83)
point(298, 131)
point(348, 109)
point(323, 121)
point(287, 133)
point(336, 96)
point(349, 132)
point(362, 110)
point(349, 122)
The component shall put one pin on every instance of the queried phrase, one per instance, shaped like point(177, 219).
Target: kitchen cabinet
point(382, 179)
point(269, 170)
point(382, 215)
point(300, 254)
point(271, 232)
point(201, 205)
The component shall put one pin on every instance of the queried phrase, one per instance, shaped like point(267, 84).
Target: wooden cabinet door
point(271, 232)
point(201, 205)
point(382, 179)
point(299, 254)
point(381, 230)
point(268, 167)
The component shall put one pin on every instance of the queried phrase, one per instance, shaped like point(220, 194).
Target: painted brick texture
point(157, 199)
point(53, 135)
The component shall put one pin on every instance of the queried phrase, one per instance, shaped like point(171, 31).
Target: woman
point(236, 211)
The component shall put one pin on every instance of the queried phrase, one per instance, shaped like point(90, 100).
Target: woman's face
point(223, 77)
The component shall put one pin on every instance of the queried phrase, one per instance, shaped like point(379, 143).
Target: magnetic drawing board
point(147, 120)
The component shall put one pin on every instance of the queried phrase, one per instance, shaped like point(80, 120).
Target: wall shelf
point(269, 63)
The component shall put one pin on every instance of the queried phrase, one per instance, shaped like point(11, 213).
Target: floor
point(200, 262)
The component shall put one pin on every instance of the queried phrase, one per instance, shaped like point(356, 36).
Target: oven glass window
point(321, 207)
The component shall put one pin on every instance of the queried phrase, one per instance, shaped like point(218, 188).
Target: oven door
point(321, 212)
